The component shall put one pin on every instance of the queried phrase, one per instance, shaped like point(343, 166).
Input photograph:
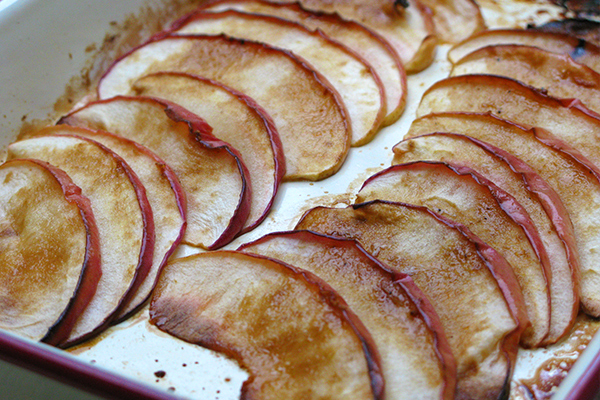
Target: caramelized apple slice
point(210, 171)
point(308, 113)
point(455, 20)
point(579, 50)
point(556, 74)
point(471, 287)
point(295, 335)
point(236, 119)
point(360, 39)
point(409, 30)
point(576, 185)
point(415, 353)
point(122, 212)
point(49, 251)
point(492, 214)
point(585, 29)
point(539, 200)
point(567, 120)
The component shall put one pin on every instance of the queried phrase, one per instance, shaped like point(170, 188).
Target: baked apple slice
point(556, 74)
point(210, 171)
point(312, 123)
point(123, 216)
point(415, 354)
point(237, 120)
point(464, 196)
point(360, 39)
point(49, 251)
point(455, 20)
point(567, 120)
point(585, 29)
point(539, 200)
point(295, 335)
point(164, 193)
point(355, 81)
point(471, 287)
point(579, 50)
point(576, 185)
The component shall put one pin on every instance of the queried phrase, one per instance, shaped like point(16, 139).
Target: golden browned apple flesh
point(122, 213)
point(555, 74)
point(415, 354)
point(455, 20)
point(471, 287)
point(308, 114)
point(466, 197)
point(49, 251)
point(577, 186)
point(539, 200)
point(295, 335)
point(355, 80)
point(360, 39)
point(212, 174)
point(235, 119)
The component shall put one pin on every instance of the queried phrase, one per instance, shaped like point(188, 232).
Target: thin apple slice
point(492, 214)
point(471, 287)
point(556, 74)
point(355, 81)
point(360, 39)
point(585, 29)
point(415, 354)
point(539, 200)
point(237, 120)
point(579, 50)
point(211, 173)
point(566, 120)
point(123, 216)
point(312, 123)
point(293, 333)
point(164, 193)
point(408, 28)
point(49, 251)
point(455, 20)
point(576, 184)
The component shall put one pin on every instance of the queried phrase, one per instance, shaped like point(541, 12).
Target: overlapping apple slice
point(415, 354)
point(455, 20)
point(408, 28)
point(355, 81)
point(49, 251)
point(556, 74)
point(211, 173)
point(579, 50)
point(294, 334)
point(471, 287)
point(492, 214)
point(567, 120)
point(236, 119)
point(360, 39)
point(309, 115)
point(122, 213)
point(585, 29)
point(539, 200)
point(576, 185)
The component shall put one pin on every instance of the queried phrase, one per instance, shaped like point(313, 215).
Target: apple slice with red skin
point(556, 74)
point(539, 200)
point(357, 83)
point(211, 172)
point(466, 197)
point(415, 354)
point(312, 123)
point(123, 215)
point(409, 29)
point(164, 193)
point(577, 186)
point(289, 329)
point(235, 119)
point(360, 39)
point(579, 50)
point(49, 251)
point(567, 120)
point(471, 287)
point(585, 29)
